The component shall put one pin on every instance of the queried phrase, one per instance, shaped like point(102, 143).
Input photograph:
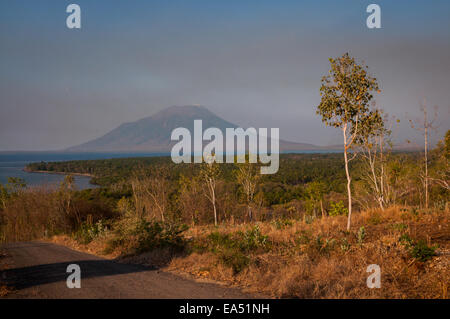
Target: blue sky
point(255, 63)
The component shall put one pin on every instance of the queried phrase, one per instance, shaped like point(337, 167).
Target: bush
point(303, 238)
point(421, 251)
point(399, 227)
point(233, 251)
point(137, 235)
point(252, 239)
point(361, 235)
point(282, 223)
point(234, 259)
point(375, 219)
point(338, 209)
point(418, 250)
point(88, 232)
point(321, 246)
point(345, 245)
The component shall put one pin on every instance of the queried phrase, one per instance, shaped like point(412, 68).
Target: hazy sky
point(255, 63)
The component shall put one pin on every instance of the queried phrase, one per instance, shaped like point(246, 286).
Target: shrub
point(414, 211)
point(338, 209)
point(137, 235)
point(88, 232)
point(418, 250)
point(375, 219)
point(421, 251)
point(323, 247)
point(233, 251)
point(399, 227)
point(252, 239)
point(308, 219)
point(234, 259)
point(345, 245)
point(303, 238)
point(361, 235)
point(282, 223)
point(405, 240)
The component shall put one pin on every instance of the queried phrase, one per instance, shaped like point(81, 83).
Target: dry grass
point(154, 258)
point(4, 289)
point(318, 259)
point(298, 265)
point(96, 247)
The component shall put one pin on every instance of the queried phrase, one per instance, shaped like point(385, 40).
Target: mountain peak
point(152, 133)
point(185, 110)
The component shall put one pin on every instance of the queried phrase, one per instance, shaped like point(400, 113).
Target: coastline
point(57, 173)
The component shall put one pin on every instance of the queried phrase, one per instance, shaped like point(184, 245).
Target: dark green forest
point(307, 183)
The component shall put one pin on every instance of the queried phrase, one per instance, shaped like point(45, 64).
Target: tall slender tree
point(247, 176)
point(425, 125)
point(210, 173)
point(346, 93)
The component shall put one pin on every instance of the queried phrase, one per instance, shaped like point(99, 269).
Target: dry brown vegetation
point(38, 212)
point(4, 289)
point(317, 259)
point(298, 264)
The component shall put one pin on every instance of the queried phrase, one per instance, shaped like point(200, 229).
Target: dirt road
point(38, 270)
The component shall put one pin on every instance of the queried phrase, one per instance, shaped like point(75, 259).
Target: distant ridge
point(152, 134)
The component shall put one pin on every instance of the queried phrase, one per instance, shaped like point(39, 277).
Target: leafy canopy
point(346, 93)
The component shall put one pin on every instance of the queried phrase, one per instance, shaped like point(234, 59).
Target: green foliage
point(346, 93)
point(247, 176)
point(405, 240)
point(11, 189)
point(308, 219)
point(314, 193)
point(375, 219)
point(361, 235)
point(399, 227)
point(234, 259)
point(323, 246)
point(418, 249)
point(414, 211)
point(303, 238)
point(345, 245)
point(253, 239)
point(89, 232)
point(338, 209)
point(137, 235)
point(421, 251)
point(282, 223)
point(234, 250)
point(125, 206)
point(295, 171)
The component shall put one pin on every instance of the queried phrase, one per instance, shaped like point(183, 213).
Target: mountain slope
point(152, 134)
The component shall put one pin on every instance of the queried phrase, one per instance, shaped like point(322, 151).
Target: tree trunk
point(213, 196)
point(349, 180)
point(321, 208)
point(162, 216)
point(426, 160)
point(349, 192)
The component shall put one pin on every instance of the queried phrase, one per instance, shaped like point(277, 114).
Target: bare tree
point(247, 176)
point(189, 203)
point(425, 126)
point(375, 147)
point(441, 170)
point(151, 191)
point(210, 173)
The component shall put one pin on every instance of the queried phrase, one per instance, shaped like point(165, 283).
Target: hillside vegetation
point(288, 239)
point(309, 231)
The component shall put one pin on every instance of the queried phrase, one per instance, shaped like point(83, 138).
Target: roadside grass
point(297, 258)
point(4, 289)
point(322, 260)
